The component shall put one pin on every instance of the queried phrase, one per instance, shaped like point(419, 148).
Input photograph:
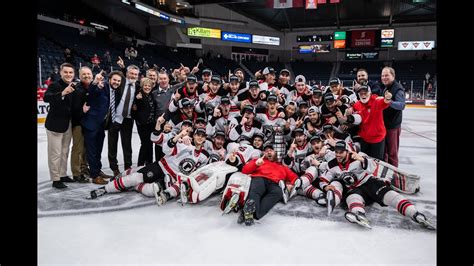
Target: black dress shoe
point(81, 179)
point(67, 179)
point(59, 184)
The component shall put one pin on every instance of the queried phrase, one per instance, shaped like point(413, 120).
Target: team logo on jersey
point(186, 166)
point(149, 174)
point(214, 158)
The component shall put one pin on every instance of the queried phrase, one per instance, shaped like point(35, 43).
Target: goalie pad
point(207, 179)
point(400, 181)
point(238, 183)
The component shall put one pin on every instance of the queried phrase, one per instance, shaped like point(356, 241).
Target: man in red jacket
point(372, 129)
point(265, 192)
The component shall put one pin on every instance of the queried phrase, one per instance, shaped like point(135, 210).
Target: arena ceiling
point(346, 13)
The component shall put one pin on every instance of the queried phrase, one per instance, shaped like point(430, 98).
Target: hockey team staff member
point(58, 125)
point(363, 79)
point(392, 116)
point(265, 188)
point(350, 176)
point(372, 129)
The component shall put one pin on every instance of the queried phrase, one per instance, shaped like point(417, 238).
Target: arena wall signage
point(265, 40)
point(387, 37)
point(339, 35)
point(236, 37)
point(314, 48)
point(416, 45)
point(204, 32)
point(339, 44)
point(157, 13)
point(363, 38)
point(361, 55)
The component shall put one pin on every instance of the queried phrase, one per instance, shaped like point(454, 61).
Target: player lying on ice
point(150, 180)
point(350, 177)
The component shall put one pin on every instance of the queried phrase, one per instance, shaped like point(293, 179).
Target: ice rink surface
point(128, 228)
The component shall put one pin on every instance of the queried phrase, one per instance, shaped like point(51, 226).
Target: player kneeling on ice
point(265, 190)
point(350, 174)
point(180, 158)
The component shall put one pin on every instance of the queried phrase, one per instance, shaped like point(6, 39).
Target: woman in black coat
point(143, 111)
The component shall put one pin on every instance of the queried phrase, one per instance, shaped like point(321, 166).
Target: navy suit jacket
point(98, 100)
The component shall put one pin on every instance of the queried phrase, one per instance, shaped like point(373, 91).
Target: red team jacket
point(270, 170)
point(372, 128)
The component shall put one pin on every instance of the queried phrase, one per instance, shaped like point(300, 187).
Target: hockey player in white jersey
point(307, 184)
point(219, 119)
point(215, 147)
point(273, 125)
point(313, 123)
point(211, 98)
point(245, 126)
point(302, 92)
point(153, 178)
point(299, 149)
point(350, 177)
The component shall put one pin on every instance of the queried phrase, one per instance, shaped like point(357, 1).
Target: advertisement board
point(204, 32)
point(362, 38)
point(269, 40)
point(236, 37)
point(339, 44)
point(415, 45)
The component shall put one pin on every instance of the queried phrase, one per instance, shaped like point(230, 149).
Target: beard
point(366, 100)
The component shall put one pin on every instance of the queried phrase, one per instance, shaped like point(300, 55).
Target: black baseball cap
point(302, 102)
point(298, 130)
point(329, 97)
point(259, 135)
point(363, 88)
point(340, 146)
point(272, 98)
point(315, 137)
point(188, 122)
point(191, 79)
point(316, 90)
point(253, 83)
point(328, 127)
point(268, 70)
point(216, 78)
point(200, 131)
point(200, 120)
point(185, 102)
point(207, 71)
point(268, 145)
point(334, 81)
point(225, 100)
point(285, 71)
point(233, 78)
point(248, 107)
point(219, 133)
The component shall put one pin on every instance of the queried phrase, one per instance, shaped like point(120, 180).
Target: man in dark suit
point(121, 100)
point(58, 125)
point(96, 110)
